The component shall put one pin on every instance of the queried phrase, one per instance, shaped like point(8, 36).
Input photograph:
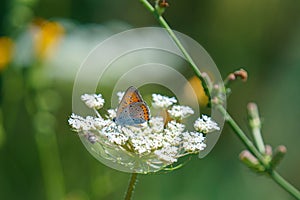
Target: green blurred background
point(42, 44)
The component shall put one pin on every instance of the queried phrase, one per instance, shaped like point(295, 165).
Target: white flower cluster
point(156, 144)
point(180, 112)
point(93, 100)
point(160, 101)
point(206, 125)
point(79, 123)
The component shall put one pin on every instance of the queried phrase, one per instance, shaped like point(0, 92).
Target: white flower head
point(79, 123)
point(114, 136)
point(193, 141)
point(160, 101)
point(180, 112)
point(76, 122)
point(206, 125)
point(168, 154)
point(93, 100)
point(147, 147)
point(175, 126)
point(157, 124)
point(111, 113)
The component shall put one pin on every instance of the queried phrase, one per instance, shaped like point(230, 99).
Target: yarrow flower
point(206, 124)
point(149, 147)
point(93, 100)
point(160, 101)
point(180, 112)
point(193, 141)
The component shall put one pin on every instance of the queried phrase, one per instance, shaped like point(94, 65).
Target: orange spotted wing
point(132, 110)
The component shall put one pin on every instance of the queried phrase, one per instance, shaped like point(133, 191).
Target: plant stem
point(164, 24)
point(258, 139)
point(239, 132)
point(232, 123)
point(284, 184)
point(131, 186)
point(255, 125)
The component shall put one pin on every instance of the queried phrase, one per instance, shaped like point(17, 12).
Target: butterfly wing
point(139, 112)
point(134, 114)
point(131, 95)
point(132, 109)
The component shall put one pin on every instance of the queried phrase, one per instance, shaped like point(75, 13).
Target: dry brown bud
point(163, 4)
point(231, 77)
point(242, 74)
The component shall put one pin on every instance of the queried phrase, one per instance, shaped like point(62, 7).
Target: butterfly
point(132, 109)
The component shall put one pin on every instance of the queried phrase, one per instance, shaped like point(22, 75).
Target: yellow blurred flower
point(47, 37)
point(6, 51)
point(196, 84)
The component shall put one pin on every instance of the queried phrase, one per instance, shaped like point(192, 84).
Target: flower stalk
point(131, 186)
point(164, 24)
point(284, 184)
point(240, 133)
point(255, 125)
point(278, 155)
point(256, 151)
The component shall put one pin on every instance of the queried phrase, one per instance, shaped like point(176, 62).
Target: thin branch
point(164, 24)
point(284, 184)
point(131, 186)
point(238, 131)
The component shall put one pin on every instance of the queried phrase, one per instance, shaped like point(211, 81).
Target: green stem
point(278, 155)
point(284, 184)
point(131, 186)
point(164, 24)
point(239, 132)
point(231, 122)
point(258, 140)
point(255, 125)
